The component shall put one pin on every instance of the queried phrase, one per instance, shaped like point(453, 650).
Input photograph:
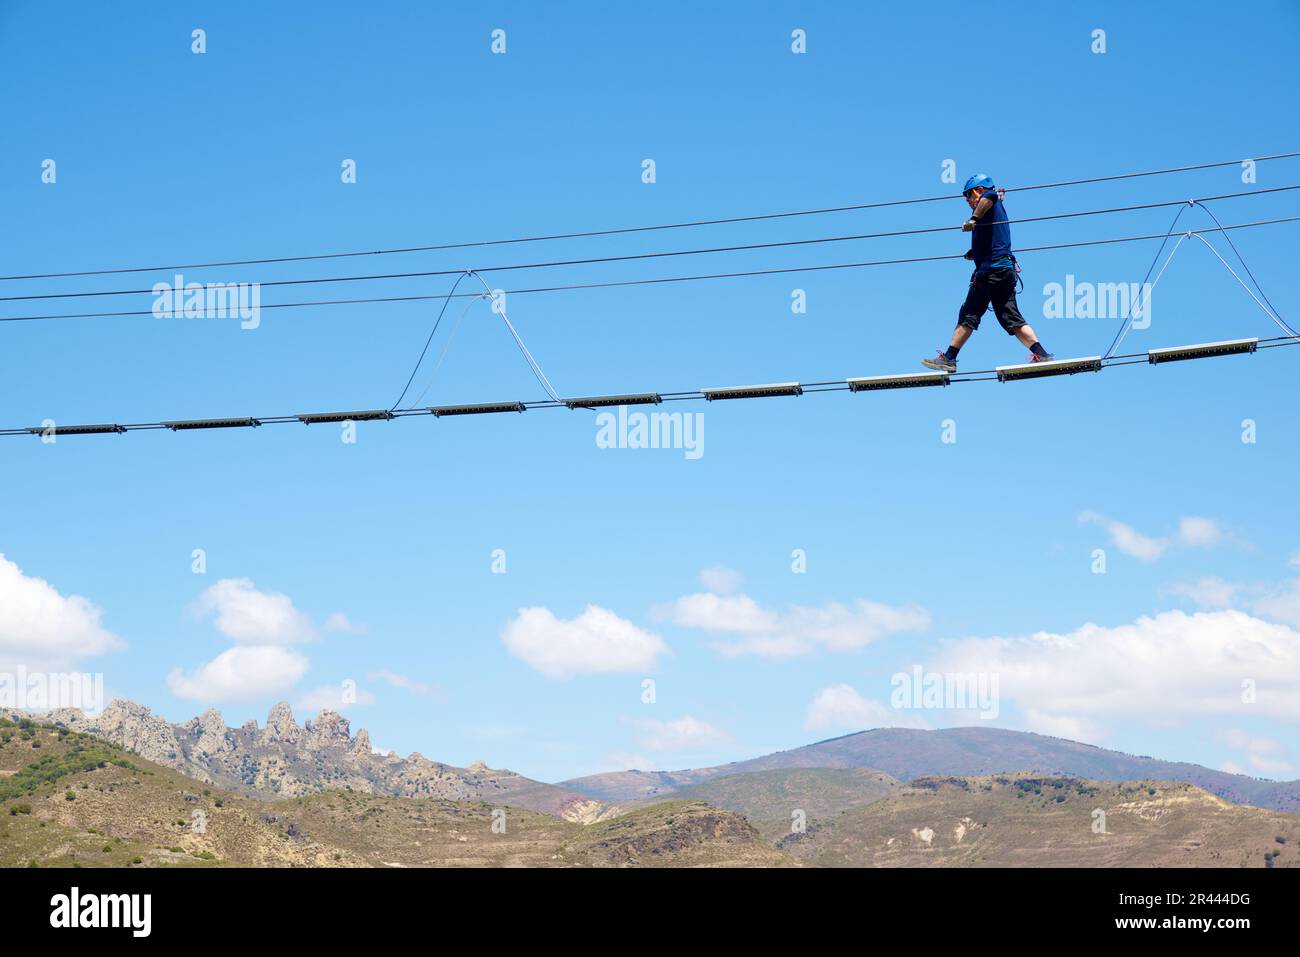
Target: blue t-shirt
point(990, 240)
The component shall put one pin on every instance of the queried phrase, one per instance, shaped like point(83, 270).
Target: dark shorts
point(996, 288)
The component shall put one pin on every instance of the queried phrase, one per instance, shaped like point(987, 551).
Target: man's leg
point(968, 317)
point(1008, 312)
point(1027, 335)
point(968, 320)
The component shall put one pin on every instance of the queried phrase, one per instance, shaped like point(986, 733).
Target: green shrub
point(79, 757)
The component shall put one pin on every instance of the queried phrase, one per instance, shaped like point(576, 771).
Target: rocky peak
point(280, 725)
point(136, 728)
point(211, 731)
point(329, 728)
point(361, 744)
point(478, 767)
point(121, 710)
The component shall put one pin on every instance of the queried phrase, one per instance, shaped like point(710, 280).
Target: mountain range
point(126, 788)
point(907, 753)
point(289, 760)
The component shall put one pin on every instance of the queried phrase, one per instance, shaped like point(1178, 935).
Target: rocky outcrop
point(137, 729)
point(328, 730)
point(211, 731)
point(287, 760)
point(280, 725)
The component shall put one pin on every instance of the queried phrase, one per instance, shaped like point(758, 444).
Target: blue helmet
point(979, 179)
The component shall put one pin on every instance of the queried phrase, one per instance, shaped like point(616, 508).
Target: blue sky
point(961, 551)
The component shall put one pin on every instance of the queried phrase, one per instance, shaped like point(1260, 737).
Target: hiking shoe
point(940, 362)
point(1048, 357)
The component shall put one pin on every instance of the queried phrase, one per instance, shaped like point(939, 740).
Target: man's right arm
point(982, 207)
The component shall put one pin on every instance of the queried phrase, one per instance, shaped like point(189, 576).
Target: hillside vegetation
point(1033, 821)
point(74, 801)
point(69, 799)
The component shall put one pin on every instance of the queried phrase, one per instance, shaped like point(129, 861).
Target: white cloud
point(1126, 538)
point(625, 761)
point(595, 642)
point(841, 708)
point(340, 622)
point(41, 628)
point(1206, 593)
point(332, 698)
point(719, 579)
point(1161, 669)
point(709, 612)
point(1266, 755)
point(1277, 601)
point(683, 734)
point(247, 615)
point(242, 672)
point(1194, 531)
point(1271, 767)
point(405, 683)
point(1281, 603)
point(1063, 726)
point(1294, 560)
point(1197, 532)
point(798, 631)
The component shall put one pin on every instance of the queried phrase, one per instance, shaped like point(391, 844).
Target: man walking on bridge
point(994, 280)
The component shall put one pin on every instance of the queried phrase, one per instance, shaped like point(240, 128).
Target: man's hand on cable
point(969, 224)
